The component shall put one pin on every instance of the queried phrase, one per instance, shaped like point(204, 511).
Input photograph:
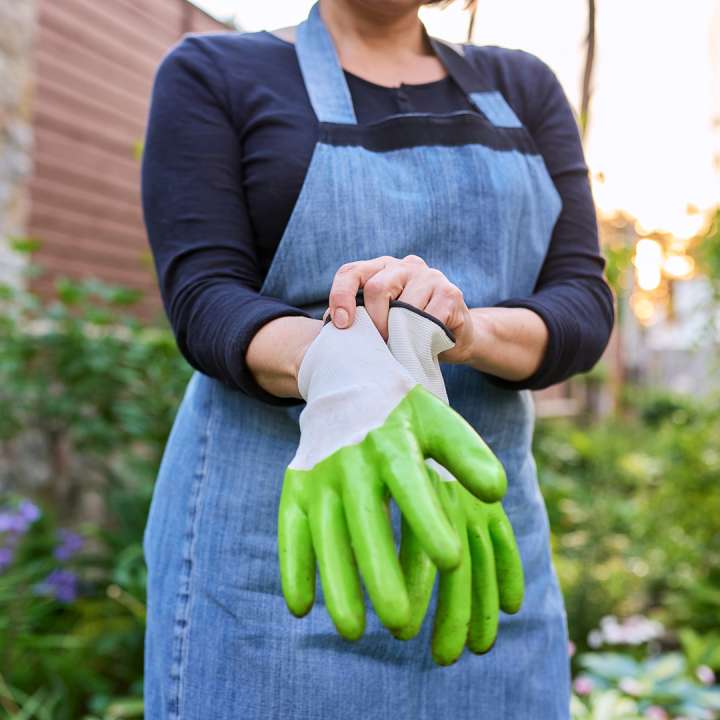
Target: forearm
point(507, 342)
point(276, 351)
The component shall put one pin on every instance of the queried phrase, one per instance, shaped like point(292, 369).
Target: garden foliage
point(634, 503)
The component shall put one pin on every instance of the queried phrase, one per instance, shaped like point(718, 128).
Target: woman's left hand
point(409, 280)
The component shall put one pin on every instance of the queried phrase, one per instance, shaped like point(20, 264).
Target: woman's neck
point(375, 26)
point(381, 41)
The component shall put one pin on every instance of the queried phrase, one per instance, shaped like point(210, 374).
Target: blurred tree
point(472, 6)
point(590, 43)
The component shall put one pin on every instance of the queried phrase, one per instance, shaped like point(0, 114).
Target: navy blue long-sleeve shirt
point(229, 138)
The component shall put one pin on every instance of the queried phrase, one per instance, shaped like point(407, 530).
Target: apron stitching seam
point(184, 603)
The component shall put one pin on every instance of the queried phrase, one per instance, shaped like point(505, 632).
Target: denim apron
point(469, 192)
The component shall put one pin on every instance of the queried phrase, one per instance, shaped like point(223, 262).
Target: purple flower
point(29, 511)
point(60, 584)
point(6, 557)
point(19, 521)
point(11, 522)
point(69, 543)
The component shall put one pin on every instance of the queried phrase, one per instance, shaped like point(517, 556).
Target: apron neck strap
point(325, 81)
point(452, 55)
point(321, 70)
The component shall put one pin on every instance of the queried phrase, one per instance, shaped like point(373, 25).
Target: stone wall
point(17, 29)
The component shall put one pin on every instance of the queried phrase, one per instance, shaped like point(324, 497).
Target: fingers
point(448, 438)
point(382, 279)
point(295, 551)
point(485, 606)
point(417, 291)
point(341, 586)
point(372, 540)
point(419, 572)
point(387, 278)
point(405, 473)
point(380, 289)
point(347, 281)
point(446, 303)
point(508, 563)
point(453, 612)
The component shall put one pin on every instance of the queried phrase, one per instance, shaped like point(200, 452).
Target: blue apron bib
point(469, 192)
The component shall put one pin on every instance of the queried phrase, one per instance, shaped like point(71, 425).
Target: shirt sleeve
point(197, 221)
point(571, 294)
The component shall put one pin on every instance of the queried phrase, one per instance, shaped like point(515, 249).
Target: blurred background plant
point(633, 500)
point(658, 686)
point(82, 418)
point(634, 503)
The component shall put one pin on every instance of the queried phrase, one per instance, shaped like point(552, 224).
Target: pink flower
point(705, 675)
point(655, 712)
point(583, 685)
point(571, 648)
point(630, 686)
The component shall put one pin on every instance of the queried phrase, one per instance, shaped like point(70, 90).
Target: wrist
point(275, 352)
point(484, 335)
point(305, 338)
point(508, 342)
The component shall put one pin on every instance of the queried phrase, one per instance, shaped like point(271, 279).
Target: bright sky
point(655, 115)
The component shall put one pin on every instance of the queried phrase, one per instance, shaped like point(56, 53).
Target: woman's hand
point(409, 280)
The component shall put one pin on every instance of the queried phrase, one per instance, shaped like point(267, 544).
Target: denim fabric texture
point(477, 203)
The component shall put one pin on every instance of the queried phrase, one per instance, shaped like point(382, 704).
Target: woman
point(283, 172)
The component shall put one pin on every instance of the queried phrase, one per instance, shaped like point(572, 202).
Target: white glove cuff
point(351, 383)
point(415, 340)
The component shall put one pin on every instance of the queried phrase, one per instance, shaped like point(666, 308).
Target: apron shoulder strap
point(475, 83)
point(322, 73)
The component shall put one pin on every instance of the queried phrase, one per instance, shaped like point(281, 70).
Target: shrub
point(634, 504)
point(89, 394)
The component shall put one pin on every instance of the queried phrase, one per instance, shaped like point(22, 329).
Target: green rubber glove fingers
point(489, 577)
point(335, 513)
point(296, 554)
point(362, 441)
point(508, 564)
point(419, 572)
point(415, 340)
point(498, 580)
point(454, 601)
point(401, 462)
point(449, 439)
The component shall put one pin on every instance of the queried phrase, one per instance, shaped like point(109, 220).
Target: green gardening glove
point(365, 433)
point(489, 577)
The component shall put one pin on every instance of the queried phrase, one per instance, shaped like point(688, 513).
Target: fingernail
point(341, 318)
